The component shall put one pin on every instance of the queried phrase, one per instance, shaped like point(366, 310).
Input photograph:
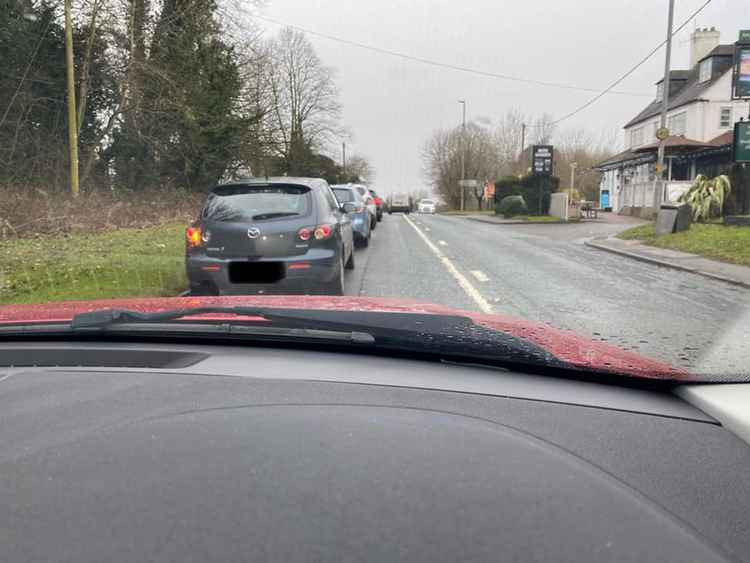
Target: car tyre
point(350, 263)
point(336, 286)
point(373, 223)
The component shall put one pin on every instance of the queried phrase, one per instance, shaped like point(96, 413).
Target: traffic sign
point(662, 133)
point(541, 160)
point(468, 183)
point(741, 146)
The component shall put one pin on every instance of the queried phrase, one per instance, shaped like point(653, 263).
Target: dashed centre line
point(462, 280)
point(480, 275)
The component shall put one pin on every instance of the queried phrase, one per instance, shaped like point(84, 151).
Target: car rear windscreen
point(257, 203)
point(344, 195)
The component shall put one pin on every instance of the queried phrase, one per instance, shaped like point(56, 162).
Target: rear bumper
point(301, 274)
point(398, 208)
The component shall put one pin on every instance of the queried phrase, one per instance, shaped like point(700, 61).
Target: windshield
point(344, 195)
point(501, 164)
point(248, 203)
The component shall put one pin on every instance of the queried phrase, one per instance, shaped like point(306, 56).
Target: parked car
point(379, 204)
point(369, 203)
point(358, 213)
point(270, 235)
point(399, 202)
point(426, 206)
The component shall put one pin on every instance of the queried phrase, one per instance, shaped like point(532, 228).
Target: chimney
point(702, 42)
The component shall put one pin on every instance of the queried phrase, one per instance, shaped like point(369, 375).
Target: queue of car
point(279, 235)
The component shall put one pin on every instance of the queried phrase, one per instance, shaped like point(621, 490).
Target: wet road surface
point(546, 274)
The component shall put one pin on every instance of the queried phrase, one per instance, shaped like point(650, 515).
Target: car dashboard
point(126, 452)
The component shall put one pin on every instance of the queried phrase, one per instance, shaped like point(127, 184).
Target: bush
point(512, 205)
point(706, 197)
point(535, 190)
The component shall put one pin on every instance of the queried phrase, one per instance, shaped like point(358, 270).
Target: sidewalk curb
point(592, 243)
point(490, 222)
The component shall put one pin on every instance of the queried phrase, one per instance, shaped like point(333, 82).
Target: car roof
point(312, 183)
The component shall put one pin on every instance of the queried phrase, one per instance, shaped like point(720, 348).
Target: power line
point(633, 69)
point(449, 66)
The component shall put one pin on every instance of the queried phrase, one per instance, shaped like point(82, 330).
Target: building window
point(636, 137)
point(678, 124)
point(655, 129)
point(660, 91)
point(725, 118)
point(705, 71)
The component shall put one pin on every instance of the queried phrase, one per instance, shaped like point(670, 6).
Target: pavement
point(547, 273)
point(730, 273)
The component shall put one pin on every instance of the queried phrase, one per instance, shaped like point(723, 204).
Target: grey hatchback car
point(270, 235)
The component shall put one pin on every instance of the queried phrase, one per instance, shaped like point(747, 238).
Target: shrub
point(512, 205)
point(535, 190)
point(706, 197)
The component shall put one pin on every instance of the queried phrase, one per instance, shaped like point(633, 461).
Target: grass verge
point(483, 212)
point(729, 244)
point(146, 262)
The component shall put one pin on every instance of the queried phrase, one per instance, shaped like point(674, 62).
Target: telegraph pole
point(573, 166)
point(463, 153)
point(72, 113)
point(343, 159)
point(659, 191)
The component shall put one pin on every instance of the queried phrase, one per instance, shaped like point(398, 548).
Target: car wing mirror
point(349, 208)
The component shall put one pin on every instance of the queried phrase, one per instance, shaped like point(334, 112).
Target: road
point(545, 273)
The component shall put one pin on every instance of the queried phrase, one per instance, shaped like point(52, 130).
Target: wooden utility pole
point(72, 113)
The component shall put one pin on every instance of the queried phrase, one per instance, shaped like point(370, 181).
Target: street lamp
point(463, 152)
point(573, 166)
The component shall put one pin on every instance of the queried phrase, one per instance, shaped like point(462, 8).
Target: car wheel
point(350, 262)
point(364, 242)
point(373, 223)
point(336, 286)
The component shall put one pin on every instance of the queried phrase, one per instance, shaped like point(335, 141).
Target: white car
point(369, 203)
point(426, 206)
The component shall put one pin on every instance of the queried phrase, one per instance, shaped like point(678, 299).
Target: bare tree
point(305, 108)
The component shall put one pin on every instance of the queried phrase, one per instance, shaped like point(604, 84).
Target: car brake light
point(323, 232)
point(193, 235)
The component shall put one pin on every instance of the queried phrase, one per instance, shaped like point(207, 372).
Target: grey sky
point(392, 105)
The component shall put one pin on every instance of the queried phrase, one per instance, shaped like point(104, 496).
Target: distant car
point(369, 203)
point(379, 204)
point(270, 235)
point(426, 206)
point(358, 213)
point(399, 202)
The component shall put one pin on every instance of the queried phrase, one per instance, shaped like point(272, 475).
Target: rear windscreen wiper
point(273, 215)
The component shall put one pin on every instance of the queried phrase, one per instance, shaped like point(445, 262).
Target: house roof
point(674, 142)
point(720, 51)
point(691, 91)
point(726, 138)
point(676, 75)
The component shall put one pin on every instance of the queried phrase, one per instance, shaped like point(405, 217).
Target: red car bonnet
point(567, 346)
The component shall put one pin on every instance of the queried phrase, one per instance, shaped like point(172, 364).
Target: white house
point(700, 119)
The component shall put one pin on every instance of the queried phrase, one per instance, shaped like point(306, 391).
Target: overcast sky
point(391, 105)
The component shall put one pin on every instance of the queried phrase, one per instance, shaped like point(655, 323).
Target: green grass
point(729, 244)
point(536, 218)
point(454, 212)
point(120, 263)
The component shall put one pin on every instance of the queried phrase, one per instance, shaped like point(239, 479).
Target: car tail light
point(323, 232)
point(320, 232)
point(193, 236)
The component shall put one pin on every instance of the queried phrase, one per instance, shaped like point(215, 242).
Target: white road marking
point(479, 275)
point(465, 284)
point(442, 243)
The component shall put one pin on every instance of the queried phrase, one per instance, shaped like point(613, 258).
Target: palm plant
point(706, 197)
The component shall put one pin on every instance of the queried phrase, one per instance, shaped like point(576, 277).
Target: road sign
point(468, 183)
point(662, 133)
point(541, 160)
point(741, 146)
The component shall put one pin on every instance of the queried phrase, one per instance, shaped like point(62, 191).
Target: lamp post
point(72, 114)
point(463, 152)
point(659, 188)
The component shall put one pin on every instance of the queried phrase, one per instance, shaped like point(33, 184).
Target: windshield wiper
point(113, 318)
point(273, 215)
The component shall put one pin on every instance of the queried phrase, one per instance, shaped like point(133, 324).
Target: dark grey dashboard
point(281, 455)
